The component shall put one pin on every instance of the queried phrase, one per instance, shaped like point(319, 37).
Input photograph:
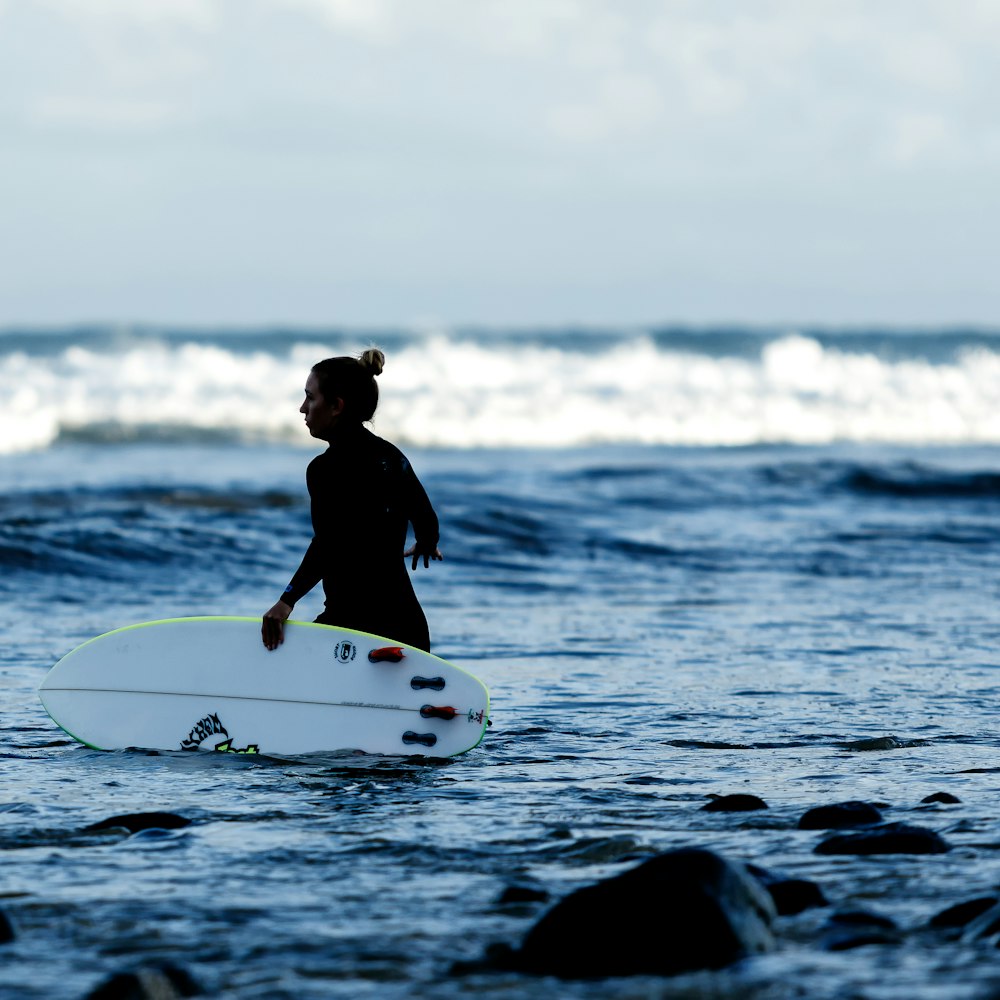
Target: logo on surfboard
point(345, 651)
point(211, 725)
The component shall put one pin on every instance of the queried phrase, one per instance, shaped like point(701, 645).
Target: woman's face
point(321, 416)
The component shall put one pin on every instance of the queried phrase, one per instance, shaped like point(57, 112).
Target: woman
point(363, 493)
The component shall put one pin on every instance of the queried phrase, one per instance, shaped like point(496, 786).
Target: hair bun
point(373, 359)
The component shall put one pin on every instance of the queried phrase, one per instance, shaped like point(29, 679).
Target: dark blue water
point(656, 625)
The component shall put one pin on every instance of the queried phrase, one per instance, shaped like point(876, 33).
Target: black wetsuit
point(363, 492)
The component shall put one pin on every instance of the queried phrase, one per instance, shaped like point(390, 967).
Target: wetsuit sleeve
point(306, 576)
point(420, 512)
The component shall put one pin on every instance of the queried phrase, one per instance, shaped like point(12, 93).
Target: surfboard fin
point(426, 739)
point(434, 683)
point(437, 712)
point(387, 654)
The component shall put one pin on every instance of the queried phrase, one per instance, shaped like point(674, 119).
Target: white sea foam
point(443, 391)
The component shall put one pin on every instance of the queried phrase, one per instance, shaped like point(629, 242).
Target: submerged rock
point(963, 913)
point(985, 925)
point(6, 928)
point(680, 911)
point(875, 743)
point(856, 928)
point(134, 822)
point(862, 918)
point(945, 797)
point(840, 816)
point(844, 939)
point(789, 895)
point(523, 894)
point(891, 838)
point(734, 803)
point(794, 895)
point(166, 983)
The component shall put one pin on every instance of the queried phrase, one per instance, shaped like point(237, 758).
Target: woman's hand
point(272, 629)
point(418, 553)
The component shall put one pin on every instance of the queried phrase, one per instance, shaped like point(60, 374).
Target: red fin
point(387, 654)
point(437, 712)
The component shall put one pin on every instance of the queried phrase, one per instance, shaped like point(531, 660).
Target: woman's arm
point(421, 515)
point(306, 577)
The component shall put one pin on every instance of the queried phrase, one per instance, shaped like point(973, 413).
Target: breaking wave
point(492, 390)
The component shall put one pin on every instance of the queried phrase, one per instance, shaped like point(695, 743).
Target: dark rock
point(684, 910)
point(862, 918)
point(963, 913)
point(522, 894)
point(873, 744)
point(793, 895)
point(165, 983)
point(945, 797)
point(6, 928)
point(789, 895)
point(985, 925)
point(891, 838)
point(734, 803)
point(599, 850)
point(134, 822)
point(847, 929)
point(840, 816)
point(841, 940)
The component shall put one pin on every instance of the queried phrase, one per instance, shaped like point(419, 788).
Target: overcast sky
point(505, 162)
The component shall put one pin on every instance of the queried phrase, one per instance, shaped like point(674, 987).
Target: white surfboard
point(210, 684)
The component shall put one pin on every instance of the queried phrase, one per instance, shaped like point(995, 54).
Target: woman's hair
point(353, 381)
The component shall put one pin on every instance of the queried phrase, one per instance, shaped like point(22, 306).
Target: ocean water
point(686, 563)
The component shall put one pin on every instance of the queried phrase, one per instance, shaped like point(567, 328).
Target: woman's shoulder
point(384, 447)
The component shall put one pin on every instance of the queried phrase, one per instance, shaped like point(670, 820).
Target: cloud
point(201, 14)
point(531, 147)
point(106, 114)
point(371, 20)
point(918, 135)
point(618, 105)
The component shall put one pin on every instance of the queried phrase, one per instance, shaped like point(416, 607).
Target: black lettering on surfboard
point(212, 725)
point(206, 727)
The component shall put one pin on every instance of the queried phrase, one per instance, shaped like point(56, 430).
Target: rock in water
point(523, 894)
point(680, 911)
point(166, 983)
point(794, 895)
point(735, 803)
point(891, 838)
point(840, 816)
point(134, 822)
point(963, 913)
point(986, 925)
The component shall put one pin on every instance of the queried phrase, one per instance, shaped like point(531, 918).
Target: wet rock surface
point(137, 822)
point(734, 803)
point(684, 910)
point(840, 815)
point(962, 914)
point(891, 838)
point(167, 982)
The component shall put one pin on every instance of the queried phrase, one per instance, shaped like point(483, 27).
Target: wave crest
point(490, 391)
